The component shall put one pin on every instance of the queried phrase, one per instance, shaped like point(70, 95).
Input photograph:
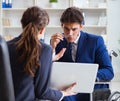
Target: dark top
point(29, 88)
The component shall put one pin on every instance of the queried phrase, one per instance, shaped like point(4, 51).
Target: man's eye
point(74, 29)
point(67, 29)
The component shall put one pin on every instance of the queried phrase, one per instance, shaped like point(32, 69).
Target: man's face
point(71, 31)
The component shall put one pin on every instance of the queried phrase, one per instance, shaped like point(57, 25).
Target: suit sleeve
point(42, 78)
point(105, 72)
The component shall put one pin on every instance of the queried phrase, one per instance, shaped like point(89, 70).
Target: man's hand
point(59, 55)
point(55, 39)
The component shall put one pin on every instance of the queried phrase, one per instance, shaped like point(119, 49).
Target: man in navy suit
point(88, 48)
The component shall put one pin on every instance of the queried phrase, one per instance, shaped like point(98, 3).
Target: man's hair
point(71, 15)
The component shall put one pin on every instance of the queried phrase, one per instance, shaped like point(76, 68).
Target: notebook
point(64, 74)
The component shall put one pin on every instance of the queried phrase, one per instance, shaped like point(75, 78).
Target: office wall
point(113, 37)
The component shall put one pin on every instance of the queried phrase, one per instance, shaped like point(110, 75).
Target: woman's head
point(34, 21)
point(36, 16)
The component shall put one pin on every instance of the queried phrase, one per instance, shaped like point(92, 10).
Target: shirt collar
point(76, 41)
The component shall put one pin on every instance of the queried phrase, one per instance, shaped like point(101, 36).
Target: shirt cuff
point(61, 97)
point(97, 79)
point(53, 55)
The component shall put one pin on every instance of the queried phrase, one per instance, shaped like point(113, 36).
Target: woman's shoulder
point(12, 41)
point(46, 47)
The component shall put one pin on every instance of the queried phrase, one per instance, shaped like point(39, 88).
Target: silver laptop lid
point(64, 73)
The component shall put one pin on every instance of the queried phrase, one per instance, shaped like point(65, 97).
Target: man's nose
point(70, 32)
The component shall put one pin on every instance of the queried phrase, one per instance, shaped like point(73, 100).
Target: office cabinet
point(95, 15)
point(94, 11)
point(10, 18)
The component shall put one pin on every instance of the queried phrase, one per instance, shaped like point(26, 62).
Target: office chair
point(115, 96)
point(6, 82)
point(101, 94)
point(105, 94)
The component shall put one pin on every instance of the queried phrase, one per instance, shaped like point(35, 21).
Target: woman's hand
point(68, 91)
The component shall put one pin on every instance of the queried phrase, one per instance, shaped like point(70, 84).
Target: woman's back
point(31, 60)
point(27, 88)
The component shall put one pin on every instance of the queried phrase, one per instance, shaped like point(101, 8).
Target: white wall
point(113, 37)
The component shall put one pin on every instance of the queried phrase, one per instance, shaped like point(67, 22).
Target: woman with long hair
point(31, 60)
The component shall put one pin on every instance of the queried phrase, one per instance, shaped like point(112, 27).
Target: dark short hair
point(71, 15)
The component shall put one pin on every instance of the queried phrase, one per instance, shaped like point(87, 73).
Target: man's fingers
point(59, 55)
point(57, 36)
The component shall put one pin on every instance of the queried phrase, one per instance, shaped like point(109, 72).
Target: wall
point(0, 17)
point(113, 37)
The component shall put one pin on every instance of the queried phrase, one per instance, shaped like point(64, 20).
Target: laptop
point(66, 73)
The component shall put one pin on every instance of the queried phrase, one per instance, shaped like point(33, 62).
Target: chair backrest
point(115, 96)
point(6, 82)
point(104, 93)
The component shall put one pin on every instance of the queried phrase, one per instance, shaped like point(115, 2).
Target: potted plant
point(53, 3)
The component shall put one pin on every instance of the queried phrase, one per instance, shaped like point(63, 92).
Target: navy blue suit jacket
point(29, 88)
point(91, 49)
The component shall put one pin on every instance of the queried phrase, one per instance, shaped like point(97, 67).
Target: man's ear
point(81, 26)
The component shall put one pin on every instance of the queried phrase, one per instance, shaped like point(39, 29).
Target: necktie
point(69, 52)
point(74, 50)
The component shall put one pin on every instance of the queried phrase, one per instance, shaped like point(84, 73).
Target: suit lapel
point(81, 45)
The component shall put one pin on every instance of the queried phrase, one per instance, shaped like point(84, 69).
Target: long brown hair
point(28, 46)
